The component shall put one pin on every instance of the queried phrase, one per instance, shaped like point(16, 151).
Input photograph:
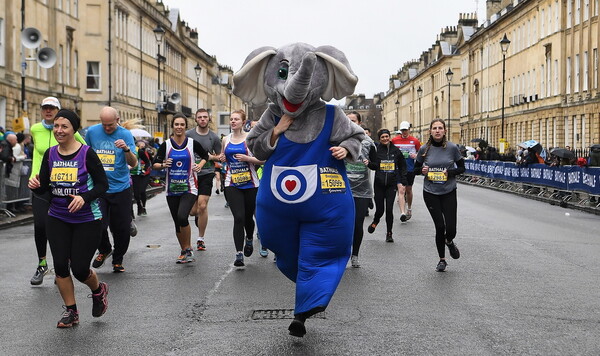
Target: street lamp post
point(504, 43)
point(397, 114)
point(449, 75)
point(159, 33)
point(419, 95)
point(198, 70)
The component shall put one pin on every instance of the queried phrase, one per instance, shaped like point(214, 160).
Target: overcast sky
point(377, 36)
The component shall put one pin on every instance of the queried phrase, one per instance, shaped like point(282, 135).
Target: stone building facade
point(550, 80)
point(107, 55)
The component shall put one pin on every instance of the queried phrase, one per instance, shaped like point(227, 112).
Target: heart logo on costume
point(290, 185)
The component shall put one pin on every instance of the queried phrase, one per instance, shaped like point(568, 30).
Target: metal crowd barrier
point(13, 187)
point(567, 185)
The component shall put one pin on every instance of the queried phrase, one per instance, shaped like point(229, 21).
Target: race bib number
point(108, 161)
point(437, 176)
point(331, 181)
point(63, 174)
point(241, 177)
point(387, 166)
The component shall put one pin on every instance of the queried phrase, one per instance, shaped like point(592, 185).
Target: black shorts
point(205, 184)
point(410, 179)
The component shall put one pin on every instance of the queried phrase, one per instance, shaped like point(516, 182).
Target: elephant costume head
point(294, 77)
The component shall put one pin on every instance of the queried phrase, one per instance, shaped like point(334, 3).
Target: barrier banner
point(572, 178)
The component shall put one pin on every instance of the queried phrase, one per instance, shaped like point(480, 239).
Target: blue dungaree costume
point(305, 215)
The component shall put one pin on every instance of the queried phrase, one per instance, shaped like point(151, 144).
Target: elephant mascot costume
point(304, 207)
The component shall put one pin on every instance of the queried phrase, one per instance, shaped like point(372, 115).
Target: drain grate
point(272, 314)
point(269, 314)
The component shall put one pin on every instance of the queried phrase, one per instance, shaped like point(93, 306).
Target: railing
point(13, 188)
point(579, 185)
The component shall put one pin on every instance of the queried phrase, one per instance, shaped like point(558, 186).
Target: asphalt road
point(526, 283)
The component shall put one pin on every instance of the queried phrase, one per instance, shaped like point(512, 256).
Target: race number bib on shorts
point(437, 175)
point(387, 166)
point(331, 180)
point(107, 157)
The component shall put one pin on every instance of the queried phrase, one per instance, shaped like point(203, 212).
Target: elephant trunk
point(298, 87)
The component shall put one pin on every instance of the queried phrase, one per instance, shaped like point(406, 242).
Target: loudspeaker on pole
point(31, 37)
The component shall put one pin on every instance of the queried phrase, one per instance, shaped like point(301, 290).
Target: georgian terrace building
point(550, 80)
point(107, 54)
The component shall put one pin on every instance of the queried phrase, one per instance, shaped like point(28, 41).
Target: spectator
point(594, 156)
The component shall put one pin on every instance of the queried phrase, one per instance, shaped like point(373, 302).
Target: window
point(577, 11)
point(576, 84)
point(76, 8)
point(68, 63)
point(76, 69)
point(543, 82)
point(568, 88)
point(556, 77)
point(596, 7)
point(93, 76)
point(569, 13)
point(543, 23)
point(586, 10)
point(556, 12)
point(595, 59)
point(59, 61)
point(585, 71)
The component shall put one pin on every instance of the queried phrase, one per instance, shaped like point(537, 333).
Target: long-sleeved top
point(389, 165)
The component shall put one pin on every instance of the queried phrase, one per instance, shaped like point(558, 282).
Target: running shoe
point(200, 246)
point(263, 252)
point(441, 266)
point(132, 229)
point(100, 258)
point(408, 214)
point(182, 257)
point(117, 268)
point(248, 248)
point(297, 328)
point(454, 252)
point(354, 261)
point(403, 217)
point(69, 319)
point(371, 228)
point(239, 260)
point(143, 213)
point(189, 256)
point(388, 237)
point(100, 300)
point(38, 276)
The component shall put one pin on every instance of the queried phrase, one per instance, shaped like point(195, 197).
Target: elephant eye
point(282, 73)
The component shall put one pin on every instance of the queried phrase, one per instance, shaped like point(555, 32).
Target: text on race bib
point(107, 160)
point(64, 174)
point(241, 177)
point(332, 181)
point(387, 165)
point(437, 176)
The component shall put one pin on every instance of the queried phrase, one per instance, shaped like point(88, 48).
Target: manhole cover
point(271, 314)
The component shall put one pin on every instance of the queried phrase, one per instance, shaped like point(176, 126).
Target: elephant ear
point(342, 80)
point(248, 82)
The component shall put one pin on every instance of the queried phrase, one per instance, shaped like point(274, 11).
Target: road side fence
point(574, 184)
point(13, 186)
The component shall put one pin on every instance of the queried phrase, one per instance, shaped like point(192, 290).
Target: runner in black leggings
point(183, 158)
point(390, 169)
point(75, 178)
point(440, 161)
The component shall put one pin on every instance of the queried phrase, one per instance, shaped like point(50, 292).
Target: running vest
point(239, 174)
point(181, 178)
point(71, 177)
